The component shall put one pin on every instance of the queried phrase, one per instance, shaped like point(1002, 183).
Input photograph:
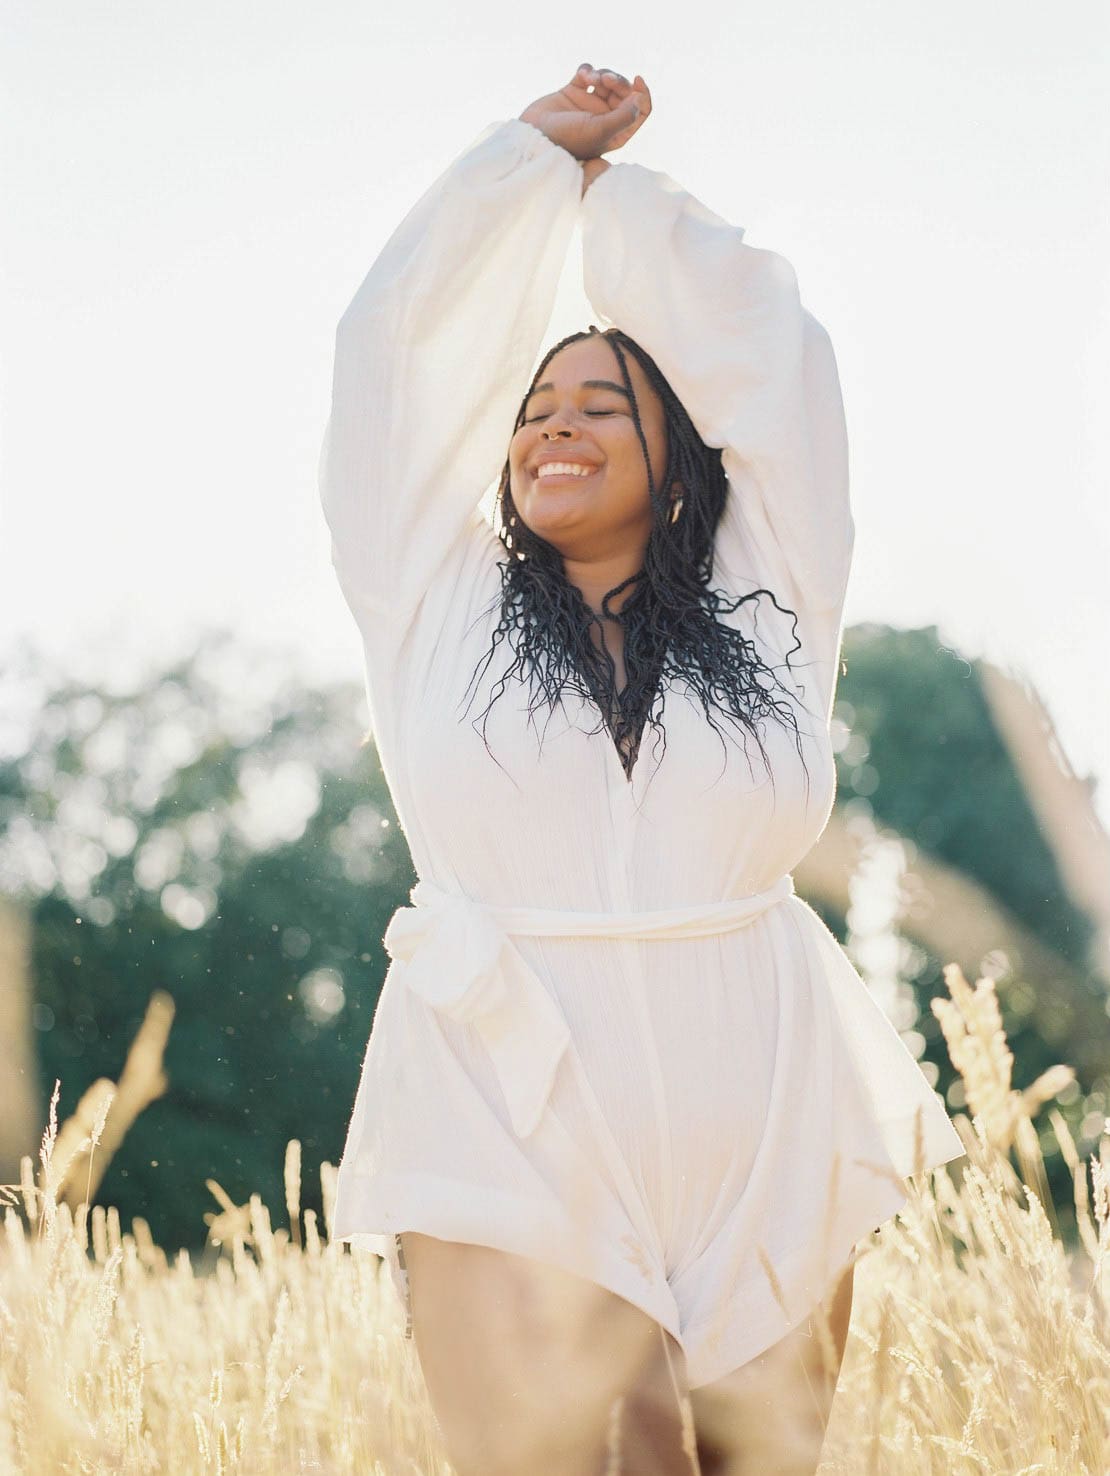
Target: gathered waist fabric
point(456, 954)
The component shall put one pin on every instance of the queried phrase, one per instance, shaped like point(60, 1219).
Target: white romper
point(651, 1095)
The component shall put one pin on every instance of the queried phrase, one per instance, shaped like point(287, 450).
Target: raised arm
point(435, 351)
point(431, 358)
point(753, 367)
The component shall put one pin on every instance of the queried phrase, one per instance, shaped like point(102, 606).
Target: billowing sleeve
point(754, 369)
point(432, 358)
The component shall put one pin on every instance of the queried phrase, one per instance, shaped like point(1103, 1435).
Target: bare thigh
point(769, 1418)
point(525, 1362)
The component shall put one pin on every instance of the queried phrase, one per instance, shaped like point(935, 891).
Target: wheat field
point(978, 1342)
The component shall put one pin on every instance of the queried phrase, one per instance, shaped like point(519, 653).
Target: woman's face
point(579, 413)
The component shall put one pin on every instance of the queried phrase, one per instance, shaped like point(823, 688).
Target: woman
point(626, 1107)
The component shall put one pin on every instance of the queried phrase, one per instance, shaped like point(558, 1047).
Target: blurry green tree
point(927, 755)
point(220, 833)
point(945, 779)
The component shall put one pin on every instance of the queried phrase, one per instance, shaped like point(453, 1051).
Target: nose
point(558, 424)
point(549, 432)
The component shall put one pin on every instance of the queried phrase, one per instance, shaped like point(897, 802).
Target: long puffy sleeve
point(432, 358)
point(754, 369)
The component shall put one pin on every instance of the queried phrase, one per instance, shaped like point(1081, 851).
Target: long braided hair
point(669, 621)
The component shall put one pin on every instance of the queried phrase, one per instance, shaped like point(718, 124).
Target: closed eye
point(529, 419)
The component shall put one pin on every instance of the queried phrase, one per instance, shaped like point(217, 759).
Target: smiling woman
point(597, 510)
point(602, 538)
point(608, 592)
point(610, 1029)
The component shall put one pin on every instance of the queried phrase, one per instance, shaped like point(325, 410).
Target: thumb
point(623, 116)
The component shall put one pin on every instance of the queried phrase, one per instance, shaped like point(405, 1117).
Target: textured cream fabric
point(683, 1102)
point(462, 962)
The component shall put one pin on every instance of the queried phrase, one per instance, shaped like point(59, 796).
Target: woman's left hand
point(613, 89)
point(590, 123)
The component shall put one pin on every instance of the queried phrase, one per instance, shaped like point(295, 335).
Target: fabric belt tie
point(458, 958)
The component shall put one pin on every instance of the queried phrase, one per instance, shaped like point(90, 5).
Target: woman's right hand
point(588, 124)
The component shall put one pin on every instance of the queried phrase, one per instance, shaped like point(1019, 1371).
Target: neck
point(595, 578)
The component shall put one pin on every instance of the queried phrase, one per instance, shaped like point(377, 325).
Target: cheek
point(627, 455)
point(520, 448)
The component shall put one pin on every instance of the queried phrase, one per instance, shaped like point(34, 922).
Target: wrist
point(535, 118)
point(591, 168)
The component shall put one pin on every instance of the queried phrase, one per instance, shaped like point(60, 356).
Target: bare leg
point(769, 1418)
point(657, 1427)
point(523, 1361)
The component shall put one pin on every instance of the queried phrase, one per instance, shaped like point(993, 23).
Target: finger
point(607, 78)
point(604, 82)
point(622, 123)
point(581, 100)
point(588, 88)
point(625, 130)
point(612, 88)
point(594, 74)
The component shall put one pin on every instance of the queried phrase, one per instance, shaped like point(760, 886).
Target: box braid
point(670, 625)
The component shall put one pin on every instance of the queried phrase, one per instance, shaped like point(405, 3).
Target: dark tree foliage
point(256, 1054)
point(933, 767)
point(946, 779)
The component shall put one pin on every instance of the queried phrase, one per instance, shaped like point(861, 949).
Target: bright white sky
point(193, 191)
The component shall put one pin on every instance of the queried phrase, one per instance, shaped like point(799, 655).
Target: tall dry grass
point(978, 1343)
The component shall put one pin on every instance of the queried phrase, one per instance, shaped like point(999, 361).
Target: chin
point(554, 531)
point(547, 514)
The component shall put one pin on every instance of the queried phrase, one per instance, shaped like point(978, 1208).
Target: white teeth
point(564, 468)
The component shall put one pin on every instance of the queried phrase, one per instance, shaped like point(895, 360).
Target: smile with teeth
point(564, 469)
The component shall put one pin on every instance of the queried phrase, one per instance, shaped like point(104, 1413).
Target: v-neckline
point(627, 775)
point(614, 746)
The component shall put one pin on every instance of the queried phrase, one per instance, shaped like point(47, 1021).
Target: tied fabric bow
point(463, 964)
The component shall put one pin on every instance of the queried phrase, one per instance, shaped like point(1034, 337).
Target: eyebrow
point(588, 384)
